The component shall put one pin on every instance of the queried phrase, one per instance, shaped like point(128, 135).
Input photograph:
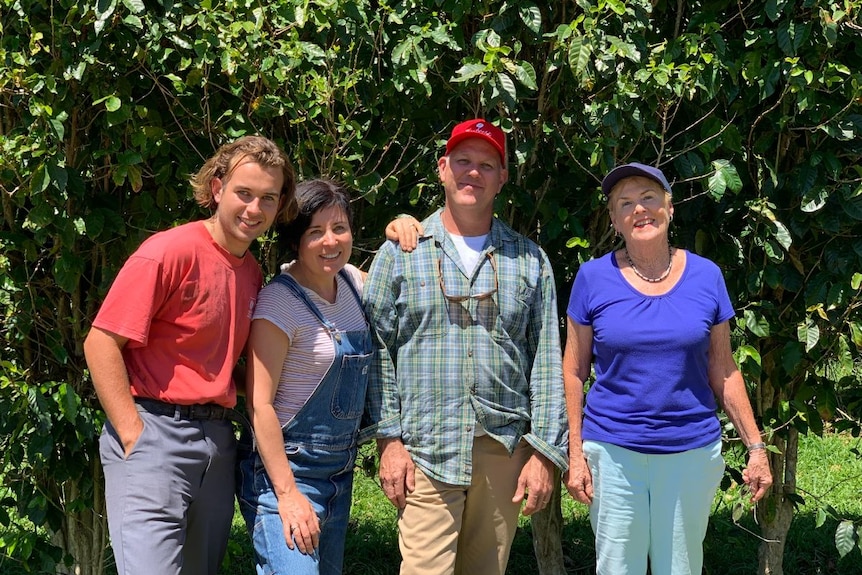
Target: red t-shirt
point(185, 304)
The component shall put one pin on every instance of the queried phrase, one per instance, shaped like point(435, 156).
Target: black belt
point(194, 411)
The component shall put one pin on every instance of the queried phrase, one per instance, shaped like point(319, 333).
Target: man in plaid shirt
point(465, 393)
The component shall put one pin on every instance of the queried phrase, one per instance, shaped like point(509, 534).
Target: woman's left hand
point(756, 474)
point(300, 523)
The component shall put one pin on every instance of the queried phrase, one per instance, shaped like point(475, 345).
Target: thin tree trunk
point(775, 513)
point(84, 534)
point(548, 534)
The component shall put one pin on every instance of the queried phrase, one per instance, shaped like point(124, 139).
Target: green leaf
point(782, 234)
point(580, 51)
point(526, 75)
point(577, 243)
point(468, 72)
point(400, 54)
point(716, 185)
point(508, 86)
point(134, 6)
point(104, 11)
point(756, 324)
point(771, 9)
point(785, 38)
point(814, 200)
point(738, 511)
point(40, 180)
point(59, 176)
point(68, 402)
point(134, 174)
point(112, 103)
point(729, 173)
point(845, 537)
point(856, 333)
point(808, 334)
point(745, 352)
point(58, 127)
point(617, 6)
point(531, 16)
point(67, 271)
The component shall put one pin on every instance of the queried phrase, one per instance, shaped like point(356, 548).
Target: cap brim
point(628, 171)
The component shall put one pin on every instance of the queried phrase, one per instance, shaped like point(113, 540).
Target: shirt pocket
point(514, 311)
point(423, 308)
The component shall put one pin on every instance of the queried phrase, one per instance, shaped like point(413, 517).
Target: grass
point(829, 473)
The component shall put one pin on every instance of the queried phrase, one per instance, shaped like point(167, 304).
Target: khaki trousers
point(455, 530)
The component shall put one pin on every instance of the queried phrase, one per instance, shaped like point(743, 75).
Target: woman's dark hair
point(311, 197)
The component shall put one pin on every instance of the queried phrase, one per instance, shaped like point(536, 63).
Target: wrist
point(758, 446)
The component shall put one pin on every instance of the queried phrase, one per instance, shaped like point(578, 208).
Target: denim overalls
point(320, 442)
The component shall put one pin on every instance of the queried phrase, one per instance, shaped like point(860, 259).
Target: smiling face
point(325, 246)
point(472, 176)
point(248, 200)
point(640, 209)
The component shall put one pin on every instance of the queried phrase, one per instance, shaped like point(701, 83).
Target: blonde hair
point(257, 149)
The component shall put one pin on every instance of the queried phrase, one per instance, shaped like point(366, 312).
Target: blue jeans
point(320, 443)
point(326, 479)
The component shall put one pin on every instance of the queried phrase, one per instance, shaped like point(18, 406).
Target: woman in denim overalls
point(309, 350)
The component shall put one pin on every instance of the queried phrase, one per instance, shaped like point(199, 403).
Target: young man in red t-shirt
point(161, 354)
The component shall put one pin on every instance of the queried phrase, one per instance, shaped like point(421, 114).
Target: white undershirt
point(469, 248)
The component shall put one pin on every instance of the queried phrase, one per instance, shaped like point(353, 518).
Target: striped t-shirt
point(311, 352)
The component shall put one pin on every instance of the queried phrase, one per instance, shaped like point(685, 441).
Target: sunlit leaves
point(808, 334)
point(723, 178)
point(531, 16)
point(756, 323)
point(845, 537)
point(580, 51)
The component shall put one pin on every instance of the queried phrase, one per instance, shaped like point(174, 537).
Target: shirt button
point(469, 353)
point(422, 283)
point(468, 428)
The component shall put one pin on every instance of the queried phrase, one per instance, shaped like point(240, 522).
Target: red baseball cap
point(478, 128)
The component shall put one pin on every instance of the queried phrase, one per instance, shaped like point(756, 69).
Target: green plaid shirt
point(444, 365)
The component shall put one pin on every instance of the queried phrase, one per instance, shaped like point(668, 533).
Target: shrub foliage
point(106, 107)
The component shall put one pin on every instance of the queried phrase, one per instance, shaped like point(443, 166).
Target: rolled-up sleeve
point(549, 426)
point(383, 406)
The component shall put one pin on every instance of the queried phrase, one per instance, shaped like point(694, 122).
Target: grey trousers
point(171, 502)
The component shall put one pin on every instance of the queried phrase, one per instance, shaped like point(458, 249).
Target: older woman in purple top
point(645, 449)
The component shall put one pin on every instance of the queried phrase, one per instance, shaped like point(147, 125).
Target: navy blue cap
point(633, 169)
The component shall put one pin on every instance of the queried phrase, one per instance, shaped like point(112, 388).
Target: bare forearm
point(737, 406)
point(270, 446)
point(104, 356)
point(576, 369)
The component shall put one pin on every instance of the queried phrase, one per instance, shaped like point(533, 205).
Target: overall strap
point(296, 289)
point(347, 279)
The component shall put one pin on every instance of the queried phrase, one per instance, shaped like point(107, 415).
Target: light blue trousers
point(651, 507)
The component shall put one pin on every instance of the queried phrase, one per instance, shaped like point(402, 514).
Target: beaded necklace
point(649, 279)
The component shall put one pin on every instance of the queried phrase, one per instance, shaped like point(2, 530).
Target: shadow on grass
point(372, 549)
point(732, 549)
